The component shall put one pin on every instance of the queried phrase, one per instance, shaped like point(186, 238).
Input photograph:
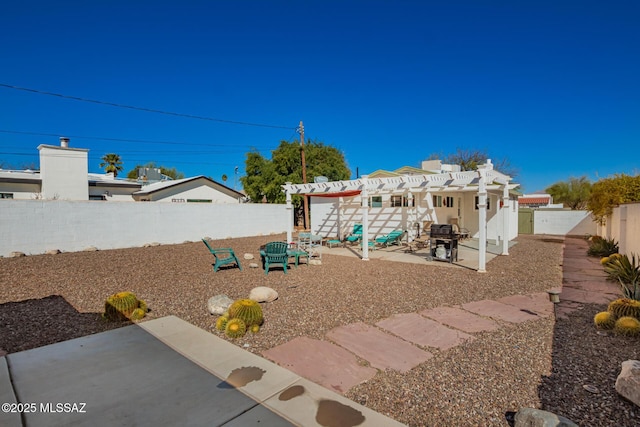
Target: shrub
point(602, 247)
point(627, 272)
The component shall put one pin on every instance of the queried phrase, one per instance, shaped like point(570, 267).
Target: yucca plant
point(627, 272)
point(602, 247)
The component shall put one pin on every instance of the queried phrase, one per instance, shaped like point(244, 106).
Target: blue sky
point(552, 86)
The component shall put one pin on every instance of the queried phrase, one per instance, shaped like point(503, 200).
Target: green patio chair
point(356, 235)
point(392, 238)
point(275, 253)
point(223, 256)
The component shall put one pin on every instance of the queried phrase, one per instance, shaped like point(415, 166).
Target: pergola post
point(506, 203)
point(365, 219)
point(289, 208)
point(482, 220)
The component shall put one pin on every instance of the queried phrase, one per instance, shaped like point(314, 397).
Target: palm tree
point(111, 163)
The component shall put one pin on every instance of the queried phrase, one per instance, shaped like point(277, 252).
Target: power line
point(142, 141)
point(149, 110)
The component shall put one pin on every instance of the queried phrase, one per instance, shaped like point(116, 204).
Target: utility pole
point(305, 198)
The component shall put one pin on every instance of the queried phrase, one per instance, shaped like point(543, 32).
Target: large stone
point(263, 294)
point(253, 265)
point(219, 304)
point(628, 382)
point(530, 417)
point(17, 254)
point(249, 256)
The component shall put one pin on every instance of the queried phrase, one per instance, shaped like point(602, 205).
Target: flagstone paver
point(422, 331)
point(379, 348)
point(498, 310)
point(460, 319)
point(585, 296)
point(538, 303)
point(321, 362)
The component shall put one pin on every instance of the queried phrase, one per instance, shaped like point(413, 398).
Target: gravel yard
point(545, 364)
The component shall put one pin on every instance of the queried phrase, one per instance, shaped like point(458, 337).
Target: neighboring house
point(538, 200)
point(199, 189)
point(64, 175)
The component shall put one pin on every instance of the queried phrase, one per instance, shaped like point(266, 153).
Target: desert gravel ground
point(543, 363)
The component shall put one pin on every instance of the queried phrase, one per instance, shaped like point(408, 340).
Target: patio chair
point(356, 235)
point(390, 239)
point(275, 253)
point(223, 256)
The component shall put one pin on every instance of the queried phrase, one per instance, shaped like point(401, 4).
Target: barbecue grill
point(444, 235)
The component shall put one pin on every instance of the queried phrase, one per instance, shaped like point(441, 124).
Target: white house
point(482, 201)
point(64, 175)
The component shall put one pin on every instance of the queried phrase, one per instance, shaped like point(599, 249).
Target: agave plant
point(602, 247)
point(627, 272)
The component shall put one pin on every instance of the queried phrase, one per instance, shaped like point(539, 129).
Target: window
point(437, 201)
point(488, 202)
point(98, 197)
point(400, 201)
point(375, 201)
point(447, 201)
point(6, 195)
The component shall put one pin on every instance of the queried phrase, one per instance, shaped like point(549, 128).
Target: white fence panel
point(36, 226)
point(563, 222)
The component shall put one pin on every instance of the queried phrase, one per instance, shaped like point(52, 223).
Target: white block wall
point(563, 222)
point(36, 226)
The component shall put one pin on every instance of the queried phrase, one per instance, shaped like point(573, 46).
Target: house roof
point(20, 177)
point(161, 185)
point(538, 200)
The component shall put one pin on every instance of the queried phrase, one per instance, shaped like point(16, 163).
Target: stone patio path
point(405, 340)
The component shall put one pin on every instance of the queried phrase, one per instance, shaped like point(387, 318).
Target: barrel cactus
point(605, 320)
point(124, 306)
point(235, 328)
point(623, 307)
point(629, 326)
point(221, 323)
point(248, 310)
point(255, 328)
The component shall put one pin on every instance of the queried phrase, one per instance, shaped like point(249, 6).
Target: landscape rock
point(530, 417)
point(315, 262)
point(53, 252)
point(90, 249)
point(248, 256)
point(219, 304)
point(253, 265)
point(263, 294)
point(17, 254)
point(628, 382)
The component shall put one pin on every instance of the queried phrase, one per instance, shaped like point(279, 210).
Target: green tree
point(224, 178)
point(171, 172)
point(608, 193)
point(263, 177)
point(573, 193)
point(111, 163)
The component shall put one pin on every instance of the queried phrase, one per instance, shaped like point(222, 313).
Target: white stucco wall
point(624, 227)
point(327, 220)
point(563, 222)
point(64, 173)
point(192, 190)
point(21, 190)
point(35, 226)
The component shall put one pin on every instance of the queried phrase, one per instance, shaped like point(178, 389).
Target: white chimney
point(64, 142)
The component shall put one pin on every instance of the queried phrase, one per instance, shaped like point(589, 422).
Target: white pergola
point(481, 180)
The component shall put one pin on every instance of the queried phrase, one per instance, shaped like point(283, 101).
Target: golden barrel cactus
point(124, 306)
point(248, 310)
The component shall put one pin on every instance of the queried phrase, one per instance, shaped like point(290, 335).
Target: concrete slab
point(381, 350)
point(124, 377)
point(321, 362)
point(254, 375)
point(422, 331)
point(603, 287)
point(536, 303)
point(460, 319)
point(498, 310)
point(7, 418)
point(308, 404)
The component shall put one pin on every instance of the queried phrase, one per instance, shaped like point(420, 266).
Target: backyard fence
point(38, 226)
